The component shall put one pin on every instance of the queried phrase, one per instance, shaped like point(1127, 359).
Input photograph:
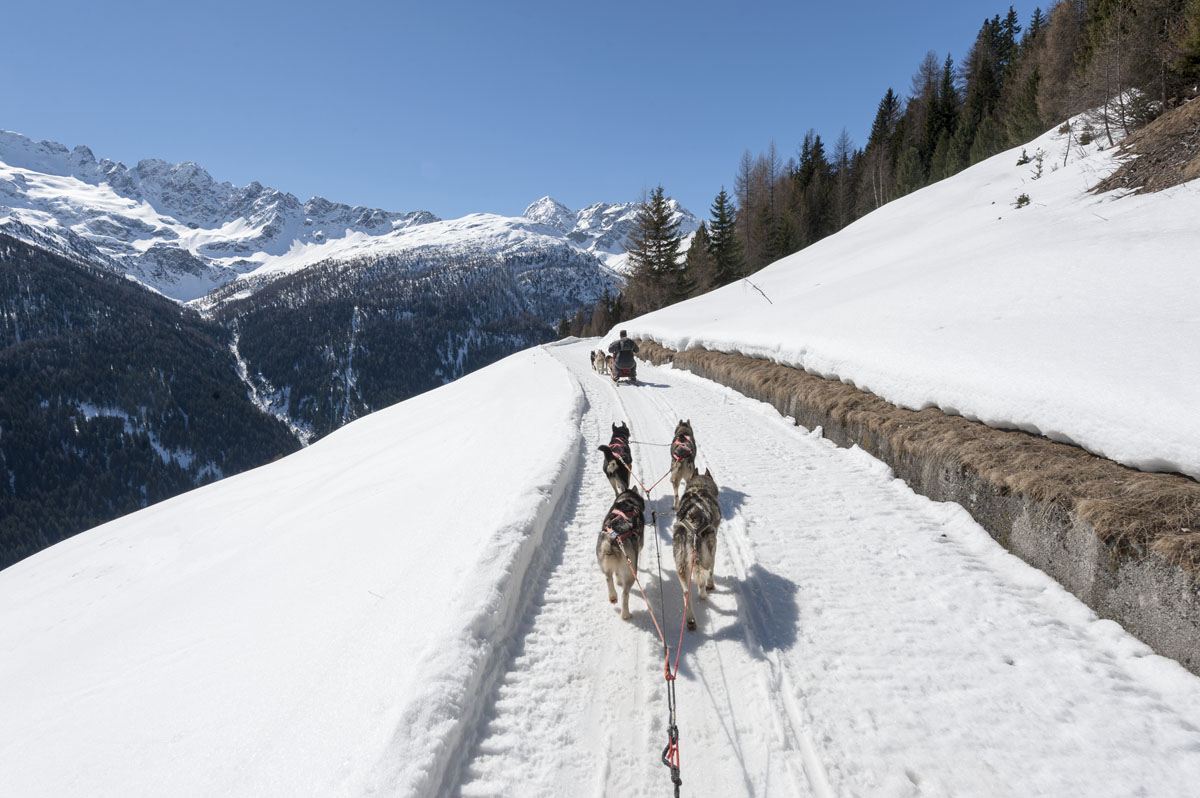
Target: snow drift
point(1073, 317)
point(320, 625)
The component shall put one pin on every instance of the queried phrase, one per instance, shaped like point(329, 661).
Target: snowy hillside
point(179, 231)
point(1073, 317)
point(292, 629)
point(412, 607)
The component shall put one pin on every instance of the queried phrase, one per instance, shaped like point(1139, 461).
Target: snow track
point(862, 640)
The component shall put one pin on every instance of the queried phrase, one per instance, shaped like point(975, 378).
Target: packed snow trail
point(862, 640)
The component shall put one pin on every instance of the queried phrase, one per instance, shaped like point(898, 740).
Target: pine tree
point(988, 140)
point(699, 269)
point(844, 156)
point(879, 156)
point(942, 165)
point(1007, 41)
point(726, 248)
point(948, 99)
point(910, 175)
point(655, 278)
point(1036, 22)
point(1187, 42)
point(1023, 122)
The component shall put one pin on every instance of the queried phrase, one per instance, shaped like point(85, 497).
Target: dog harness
point(683, 447)
point(616, 536)
point(620, 450)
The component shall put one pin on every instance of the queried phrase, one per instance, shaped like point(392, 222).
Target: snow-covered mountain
point(171, 226)
point(184, 234)
point(602, 229)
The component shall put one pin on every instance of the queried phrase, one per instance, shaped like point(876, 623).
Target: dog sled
point(626, 373)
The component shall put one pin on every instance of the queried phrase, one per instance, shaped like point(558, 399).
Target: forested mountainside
point(333, 342)
point(1124, 63)
point(113, 398)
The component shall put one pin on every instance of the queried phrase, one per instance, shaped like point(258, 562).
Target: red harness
point(620, 536)
point(683, 447)
point(620, 450)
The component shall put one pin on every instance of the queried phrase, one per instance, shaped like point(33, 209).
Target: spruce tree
point(942, 165)
point(910, 175)
point(654, 254)
point(725, 248)
point(1187, 41)
point(699, 272)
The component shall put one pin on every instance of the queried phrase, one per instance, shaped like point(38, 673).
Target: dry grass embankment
point(1136, 514)
point(1164, 153)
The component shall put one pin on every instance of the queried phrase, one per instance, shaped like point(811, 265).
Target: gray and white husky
point(683, 457)
point(618, 458)
point(694, 536)
point(622, 537)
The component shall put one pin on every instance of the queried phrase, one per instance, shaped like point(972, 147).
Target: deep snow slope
point(1073, 317)
point(318, 626)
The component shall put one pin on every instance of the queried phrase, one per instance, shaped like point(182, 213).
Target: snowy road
point(862, 640)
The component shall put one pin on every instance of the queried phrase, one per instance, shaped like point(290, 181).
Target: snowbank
point(318, 626)
point(1073, 317)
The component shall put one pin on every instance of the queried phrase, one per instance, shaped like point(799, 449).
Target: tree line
point(1123, 61)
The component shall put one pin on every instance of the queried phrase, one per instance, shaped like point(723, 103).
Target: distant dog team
point(600, 362)
point(694, 532)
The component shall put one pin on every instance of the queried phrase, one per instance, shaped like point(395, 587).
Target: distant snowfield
point(1074, 317)
point(317, 626)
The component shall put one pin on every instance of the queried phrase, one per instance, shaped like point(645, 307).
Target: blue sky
point(457, 107)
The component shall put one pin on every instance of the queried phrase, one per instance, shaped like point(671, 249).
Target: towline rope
point(638, 479)
point(670, 754)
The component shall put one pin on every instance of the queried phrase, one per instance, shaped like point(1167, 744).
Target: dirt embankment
point(1164, 153)
point(1125, 542)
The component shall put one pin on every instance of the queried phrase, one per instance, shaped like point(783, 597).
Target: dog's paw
point(710, 585)
point(626, 615)
point(612, 599)
point(691, 624)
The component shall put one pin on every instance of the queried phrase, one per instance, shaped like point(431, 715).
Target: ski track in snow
point(862, 640)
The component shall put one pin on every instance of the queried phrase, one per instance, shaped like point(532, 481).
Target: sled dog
point(683, 457)
point(618, 458)
point(694, 536)
point(622, 536)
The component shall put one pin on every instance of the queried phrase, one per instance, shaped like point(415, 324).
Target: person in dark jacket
point(622, 351)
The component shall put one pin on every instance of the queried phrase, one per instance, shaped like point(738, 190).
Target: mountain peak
point(551, 212)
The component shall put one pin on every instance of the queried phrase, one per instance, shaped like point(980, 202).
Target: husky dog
point(622, 537)
point(683, 457)
point(618, 459)
point(599, 362)
point(694, 536)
